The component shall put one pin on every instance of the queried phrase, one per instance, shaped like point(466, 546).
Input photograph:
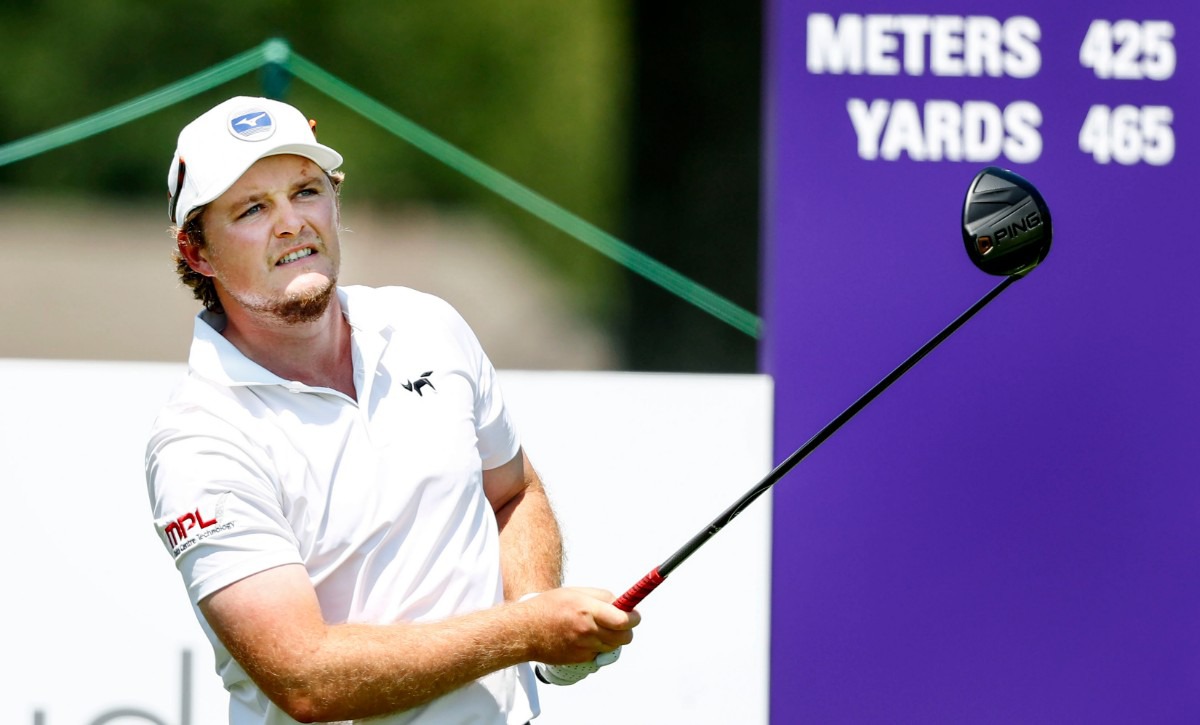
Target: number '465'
point(1128, 135)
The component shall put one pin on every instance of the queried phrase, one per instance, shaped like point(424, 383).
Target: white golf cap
point(218, 147)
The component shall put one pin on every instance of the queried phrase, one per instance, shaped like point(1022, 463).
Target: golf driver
point(1007, 231)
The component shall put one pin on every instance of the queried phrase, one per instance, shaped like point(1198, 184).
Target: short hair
point(203, 288)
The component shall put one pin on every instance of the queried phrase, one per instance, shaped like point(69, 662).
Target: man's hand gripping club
point(584, 632)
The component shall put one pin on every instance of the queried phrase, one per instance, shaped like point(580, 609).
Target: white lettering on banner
point(1129, 135)
point(1023, 144)
point(1129, 50)
point(958, 45)
point(1021, 36)
point(976, 131)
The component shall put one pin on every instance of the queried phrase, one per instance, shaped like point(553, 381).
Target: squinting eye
point(250, 211)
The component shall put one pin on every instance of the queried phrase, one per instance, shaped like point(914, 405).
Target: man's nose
point(288, 221)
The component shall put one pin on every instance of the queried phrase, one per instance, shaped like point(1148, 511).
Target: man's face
point(271, 240)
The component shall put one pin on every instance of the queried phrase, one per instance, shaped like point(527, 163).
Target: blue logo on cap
point(252, 125)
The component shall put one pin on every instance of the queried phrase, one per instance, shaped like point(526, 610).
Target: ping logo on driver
point(1008, 234)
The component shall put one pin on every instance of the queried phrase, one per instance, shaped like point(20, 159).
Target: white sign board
point(100, 631)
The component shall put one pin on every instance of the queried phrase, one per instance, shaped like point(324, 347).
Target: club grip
point(630, 599)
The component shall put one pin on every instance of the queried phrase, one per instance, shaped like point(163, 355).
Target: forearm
point(531, 553)
point(356, 671)
point(352, 671)
point(271, 623)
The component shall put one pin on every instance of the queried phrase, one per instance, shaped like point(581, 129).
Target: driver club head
point(1006, 223)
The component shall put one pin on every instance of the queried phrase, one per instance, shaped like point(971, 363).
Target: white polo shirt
point(381, 499)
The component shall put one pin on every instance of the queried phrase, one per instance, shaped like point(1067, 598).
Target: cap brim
point(322, 155)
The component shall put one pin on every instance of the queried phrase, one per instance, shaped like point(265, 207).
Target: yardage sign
point(981, 46)
point(1009, 533)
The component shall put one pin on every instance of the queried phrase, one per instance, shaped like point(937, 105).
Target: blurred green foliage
point(535, 88)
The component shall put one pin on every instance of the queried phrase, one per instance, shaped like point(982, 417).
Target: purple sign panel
point(1010, 533)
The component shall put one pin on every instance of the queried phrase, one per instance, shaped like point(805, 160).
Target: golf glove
point(564, 675)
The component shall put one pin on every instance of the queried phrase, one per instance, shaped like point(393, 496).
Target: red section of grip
point(630, 599)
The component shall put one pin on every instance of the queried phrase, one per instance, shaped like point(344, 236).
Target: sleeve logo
point(179, 529)
point(181, 533)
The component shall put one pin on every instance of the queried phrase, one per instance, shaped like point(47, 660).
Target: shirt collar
point(214, 358)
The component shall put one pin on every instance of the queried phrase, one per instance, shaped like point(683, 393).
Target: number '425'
point(1128, 49)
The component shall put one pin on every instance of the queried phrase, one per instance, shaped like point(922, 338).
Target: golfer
point(338, 479)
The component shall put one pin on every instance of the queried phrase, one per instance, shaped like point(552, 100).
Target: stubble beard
point(306, 306)
point(295, 308)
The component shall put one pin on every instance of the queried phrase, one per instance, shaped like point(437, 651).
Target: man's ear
point(193, 254)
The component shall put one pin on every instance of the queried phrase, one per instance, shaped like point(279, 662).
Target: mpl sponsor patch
point(187, 529)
